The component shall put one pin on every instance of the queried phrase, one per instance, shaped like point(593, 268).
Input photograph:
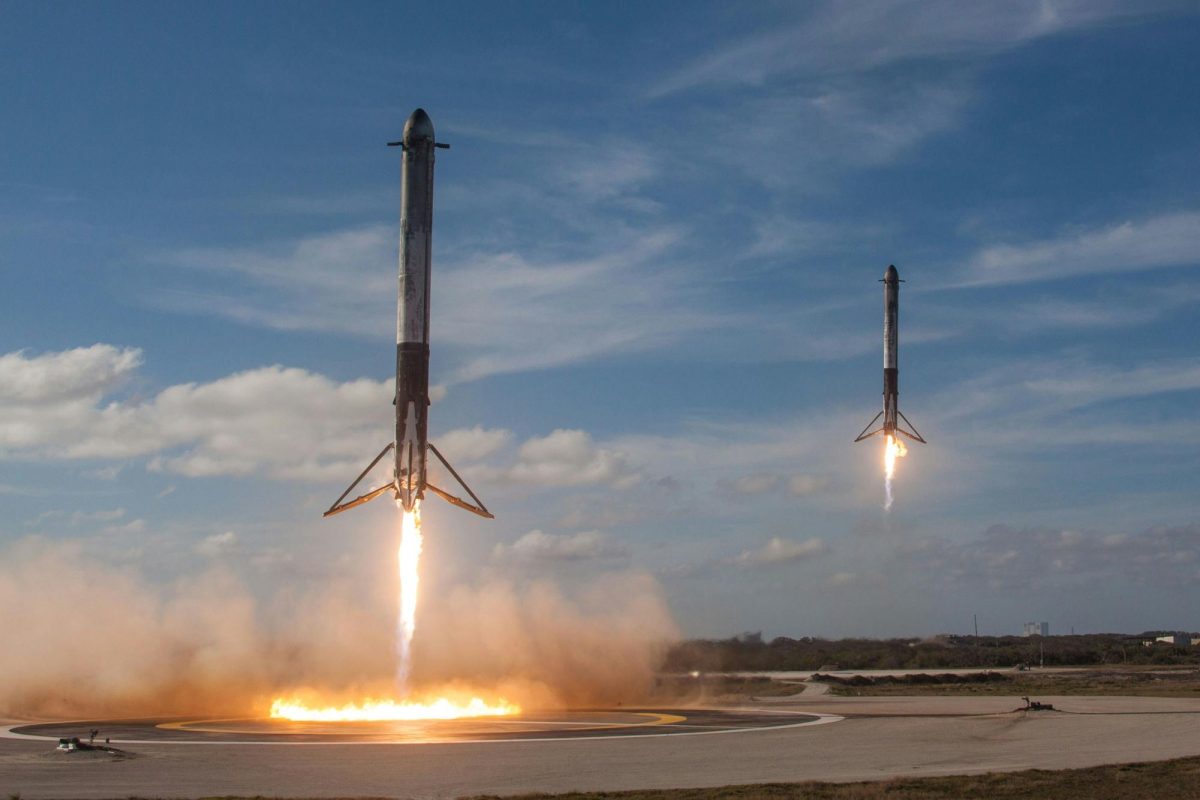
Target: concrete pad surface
point(879, 738)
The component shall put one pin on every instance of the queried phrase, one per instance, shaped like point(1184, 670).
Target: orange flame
point(409, 559)
point(891, 451)
point(389, 710)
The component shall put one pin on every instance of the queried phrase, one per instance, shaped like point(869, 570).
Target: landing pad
point(530, 726)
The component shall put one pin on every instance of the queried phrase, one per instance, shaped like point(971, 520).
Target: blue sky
point(656, 314)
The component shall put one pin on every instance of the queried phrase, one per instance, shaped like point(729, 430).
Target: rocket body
point(412, 316)
point(409, 478)
point(891, 347)
point(892, 420)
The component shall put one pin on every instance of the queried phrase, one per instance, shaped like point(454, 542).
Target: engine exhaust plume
point(893, 449)
point(410, 577)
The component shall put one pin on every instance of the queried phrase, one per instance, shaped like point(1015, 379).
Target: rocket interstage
point(411, 445)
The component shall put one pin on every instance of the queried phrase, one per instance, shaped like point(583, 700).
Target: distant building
point(1177, 639)
point(1036, 629)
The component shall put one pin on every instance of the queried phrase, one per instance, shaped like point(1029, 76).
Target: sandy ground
point(880, 737)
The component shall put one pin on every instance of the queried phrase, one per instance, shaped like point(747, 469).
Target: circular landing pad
point(530, 726)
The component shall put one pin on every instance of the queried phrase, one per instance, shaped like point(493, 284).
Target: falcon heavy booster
point(891, 413)
point(411, 445)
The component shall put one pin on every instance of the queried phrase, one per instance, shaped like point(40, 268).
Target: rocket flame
point(409, 557)
point(893, 449)
point(381, 710)
point(389, 710)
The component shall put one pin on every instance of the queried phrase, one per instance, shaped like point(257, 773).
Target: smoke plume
point(81, 638)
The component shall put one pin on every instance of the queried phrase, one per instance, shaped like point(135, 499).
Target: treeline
point(749, 652)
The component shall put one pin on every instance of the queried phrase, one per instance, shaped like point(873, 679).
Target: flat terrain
point(544, 726)
point(892, 738)
point(1179, 778)
point(1130, 682)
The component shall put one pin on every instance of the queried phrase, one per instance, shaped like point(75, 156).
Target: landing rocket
point(411, 445)
point(891, 413)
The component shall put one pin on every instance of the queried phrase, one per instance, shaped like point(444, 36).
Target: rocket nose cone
point(419, 127)
point(892, 275)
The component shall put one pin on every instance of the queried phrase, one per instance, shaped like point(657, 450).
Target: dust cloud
point(600, 646)
point(81, 638)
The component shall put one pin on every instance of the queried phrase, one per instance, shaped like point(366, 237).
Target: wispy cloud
point(512, 313)
point(832, 87)
point(515, 314)
point(838, 37)
point(334, 281)
point(1054, 385)
point(1169, 240)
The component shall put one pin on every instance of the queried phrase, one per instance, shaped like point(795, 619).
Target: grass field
point(1108, 681)
point(1179, 778)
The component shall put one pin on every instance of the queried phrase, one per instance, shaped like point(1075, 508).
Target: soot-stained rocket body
point(411, 445)
point(891, 415)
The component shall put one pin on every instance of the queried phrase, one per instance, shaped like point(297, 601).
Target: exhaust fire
point(409, 557)
point(381, 710)
point(893, 449)
point(388, 710)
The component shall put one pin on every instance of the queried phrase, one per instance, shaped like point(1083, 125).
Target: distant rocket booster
point(891, 414)
point(411, 445)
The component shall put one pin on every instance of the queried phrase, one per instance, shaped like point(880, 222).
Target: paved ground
point(533, 726)
point(880, 737)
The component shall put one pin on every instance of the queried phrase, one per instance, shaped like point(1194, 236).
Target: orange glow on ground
point(389, 710)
